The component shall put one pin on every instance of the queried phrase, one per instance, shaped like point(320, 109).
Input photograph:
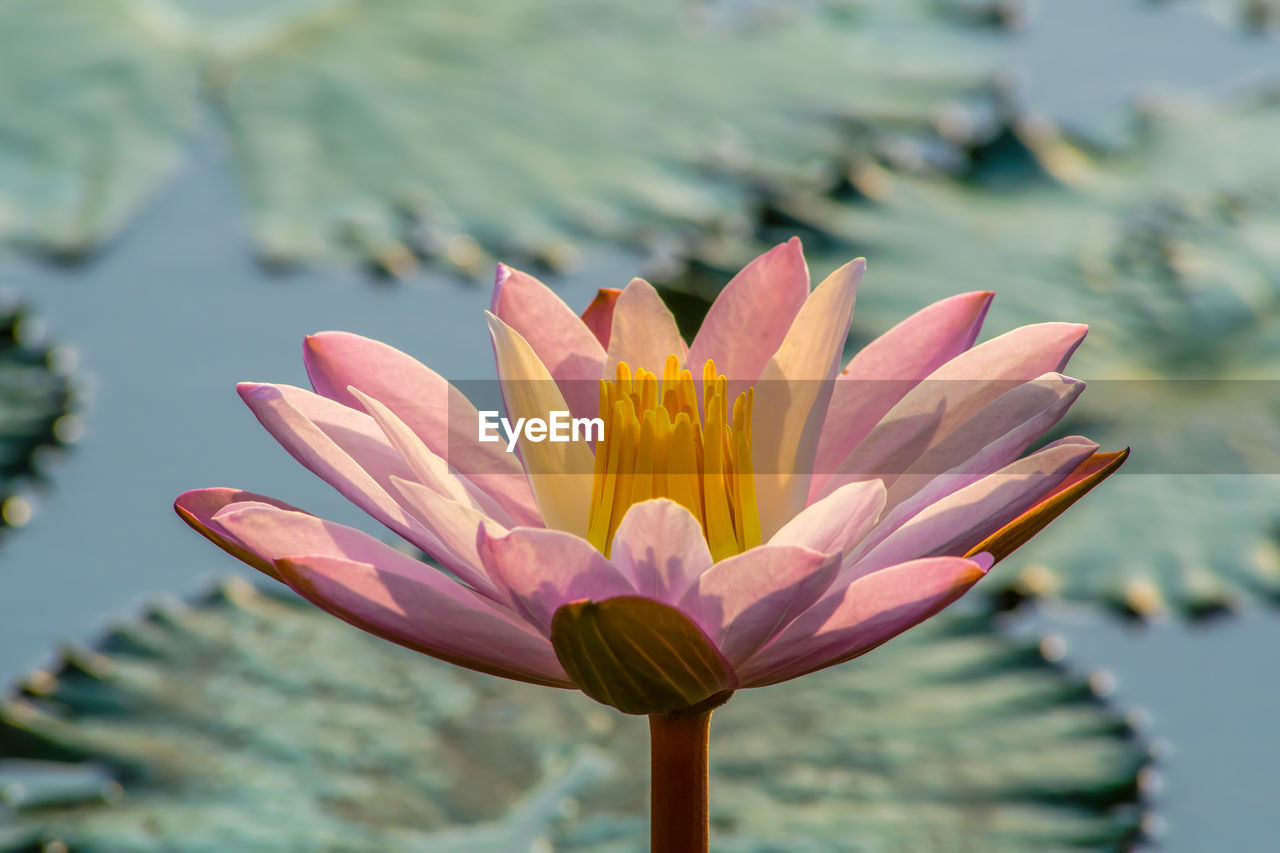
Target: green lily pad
point(36, 402)
point(392, 125)
point(390, 129)
point(1167, 247)
point(253, 722)
point(98, 99)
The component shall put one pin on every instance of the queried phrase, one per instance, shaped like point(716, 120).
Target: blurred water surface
point(167, 320)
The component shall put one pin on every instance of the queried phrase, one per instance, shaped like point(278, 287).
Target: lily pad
point(98, 100)
point(390, 129)
point(36, 402)
point(398, 127)
point(1167, 248)
point(253, 722)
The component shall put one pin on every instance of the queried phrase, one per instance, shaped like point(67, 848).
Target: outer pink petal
point(346, 449)
point(444, 622)
point(385, 592)
point(954, 394)
point(996, 436)
point(749, 319)
point(644, 331)
point(864, 615)
point(598, 317)
point(743, 602)
point(438, 413)
point(544, 569)
point(961, 519)
point(198, 507)
point(558, 336)
point(660, 547)
point(838, 521)
point(887, 368)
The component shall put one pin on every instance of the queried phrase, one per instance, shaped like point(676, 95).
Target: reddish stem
point(678, 782)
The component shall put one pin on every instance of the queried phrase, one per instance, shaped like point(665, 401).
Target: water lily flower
point(750, 510)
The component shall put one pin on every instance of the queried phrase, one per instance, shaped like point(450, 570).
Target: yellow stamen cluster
point(656, 446)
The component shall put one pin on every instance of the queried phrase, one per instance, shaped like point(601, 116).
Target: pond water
point(169, 318)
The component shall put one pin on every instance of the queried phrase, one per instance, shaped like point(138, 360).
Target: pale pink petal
point(198, 507)
point(953, 394)
point(437, 412)
point(792, 396)
point(954, 522)
point(749, 319)
point(887, 368)
point(444, 622)
point(644, 331)
point(993, 438)
point(659, 545)
point(544, 569)
point(346, 449)
point(838, 521)
point(571, 353)
point(560, 472)
point(865, 614)
point(429, 469)
point(453, 523)
point(598, 317)
point(385, 592)
point(743, 602)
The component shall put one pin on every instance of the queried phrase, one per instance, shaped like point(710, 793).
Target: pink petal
point(838, 521)
point(954, 394)
point(959, 520)
point(198, 507)
point(377, 588)
point(887, 368)
point(865, 614)
point(749, 319)
point(644, 331)
point(993, 438)
point(544, 569)
point(599, 314)
point(560, 473)
point(659, 545)
point(438, 413)
point(444, 621)
point(743, 602)
point(346, 449)
point(561, 340)
point(792, 396)
point(429, 469)
point(453, 523)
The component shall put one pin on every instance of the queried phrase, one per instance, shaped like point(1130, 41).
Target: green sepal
point(639, 655)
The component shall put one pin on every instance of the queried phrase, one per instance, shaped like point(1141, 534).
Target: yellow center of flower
point(656, 446)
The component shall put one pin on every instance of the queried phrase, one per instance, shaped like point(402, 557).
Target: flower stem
point(678, 782)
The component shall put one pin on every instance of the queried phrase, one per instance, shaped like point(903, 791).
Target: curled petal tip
point(500, 277)
point(253, 389)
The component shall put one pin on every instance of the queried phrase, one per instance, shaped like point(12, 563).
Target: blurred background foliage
point(250, 722)
point(394, 134)
point(38, 405)
point(393, 128)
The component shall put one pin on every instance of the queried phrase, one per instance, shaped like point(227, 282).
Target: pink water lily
point(752, 513)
